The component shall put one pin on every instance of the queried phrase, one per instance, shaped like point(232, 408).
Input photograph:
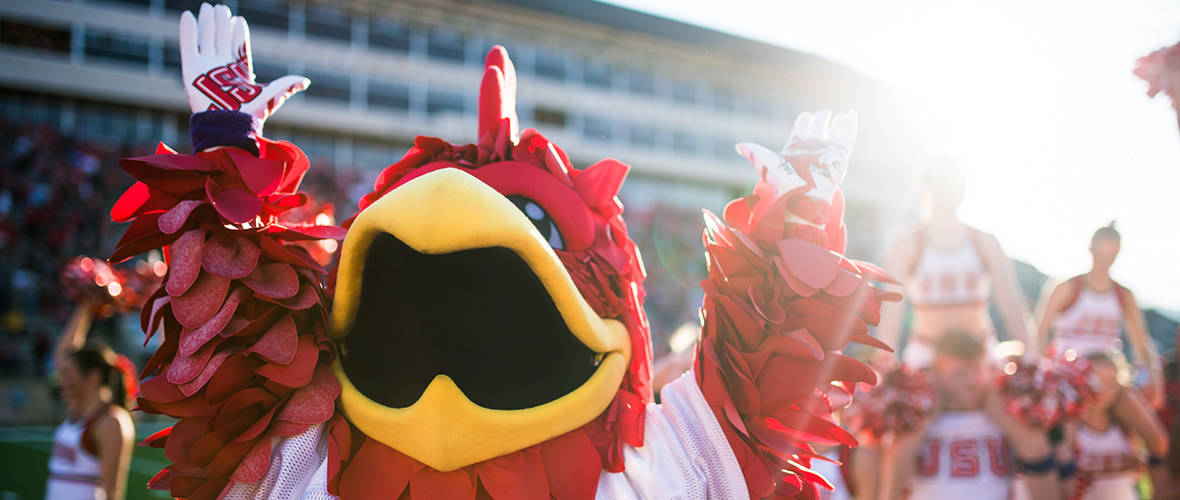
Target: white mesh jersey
point(73, 472)
point(1108, 456)
point(949, 277)
point(1092, 324)
point(685, 456)
point(963, 457)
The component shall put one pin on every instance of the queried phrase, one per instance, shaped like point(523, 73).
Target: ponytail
point(1106, 232)
point(116, 372)
point(124, 391)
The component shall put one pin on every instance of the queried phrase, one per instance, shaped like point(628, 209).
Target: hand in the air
point(814, 146)
point(218, 69)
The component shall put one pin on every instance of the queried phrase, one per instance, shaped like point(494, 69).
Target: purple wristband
point(209, 129)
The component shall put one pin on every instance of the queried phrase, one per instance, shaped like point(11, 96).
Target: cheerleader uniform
point(963, 457)
point(1091, 323)
point(74, 469)
point(1109, 461)
point(945, 278)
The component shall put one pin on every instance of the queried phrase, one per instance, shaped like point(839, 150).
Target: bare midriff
point(930, 322)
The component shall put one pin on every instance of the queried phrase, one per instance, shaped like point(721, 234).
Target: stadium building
point(669, 98)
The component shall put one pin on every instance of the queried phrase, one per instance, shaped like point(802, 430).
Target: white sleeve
point(684, 455)
point(298, 469)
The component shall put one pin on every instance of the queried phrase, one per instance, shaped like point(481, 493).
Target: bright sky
point(1039, 100)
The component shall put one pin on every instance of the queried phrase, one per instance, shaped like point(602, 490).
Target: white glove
point(813, 145)
point(218, 69)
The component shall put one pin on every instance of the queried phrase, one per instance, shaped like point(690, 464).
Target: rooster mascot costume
point(483, 334)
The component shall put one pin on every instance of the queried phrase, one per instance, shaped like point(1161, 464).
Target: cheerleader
point(968, 450)
point(92, 448)
point(950, 271)
point(1083, 316)
point(1107, 465)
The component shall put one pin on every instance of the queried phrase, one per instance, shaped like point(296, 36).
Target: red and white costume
point(963, 457)
point(1091, 324)
point(684, 455)
point(944, 278)
point(1110, 461)
point(268, 409)
point(74, 469)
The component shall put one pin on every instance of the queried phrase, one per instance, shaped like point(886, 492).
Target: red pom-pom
point(1157, 69)
point(900, 403)
point(1042, 394)
point(107, 289)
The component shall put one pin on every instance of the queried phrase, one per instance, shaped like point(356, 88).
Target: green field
point(25, 452)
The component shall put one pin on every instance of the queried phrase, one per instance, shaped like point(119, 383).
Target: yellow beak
point(443, 212)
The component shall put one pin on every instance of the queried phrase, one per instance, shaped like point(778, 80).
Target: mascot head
point(488, 311)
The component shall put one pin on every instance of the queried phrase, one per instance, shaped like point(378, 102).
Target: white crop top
point(1092, 324)
point(949, 277)
point(1111, 460)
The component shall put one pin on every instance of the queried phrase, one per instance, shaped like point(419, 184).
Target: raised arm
point(1049, 309)
point(242, 308)
point(1009, 298)
point(780, 304)
point(1144, 348)
point(1030, 446)
point(73, 336)
point(229, 107)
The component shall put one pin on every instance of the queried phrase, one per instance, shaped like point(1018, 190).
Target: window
point(375, 155)
point(549, 117)
point(328, 23)
point(190, 5)
point(267, 71)
point(328, 85)
point(21, 107)
point(389, 95)
point(105, 123)
point(442, 102)
point(446, 45)
point(596, 128)
point(116, 47)
point(643, 135)
point(684, 92)
point(389, 35)
point(35, 38)
point(172, 57)
point(684, 142)
point(597, 74)
point(269, 13)
point(766, 106)
point(643, 84)
point(724, 148)
point(549, 65)
point(723, 101)
point(317, 146)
